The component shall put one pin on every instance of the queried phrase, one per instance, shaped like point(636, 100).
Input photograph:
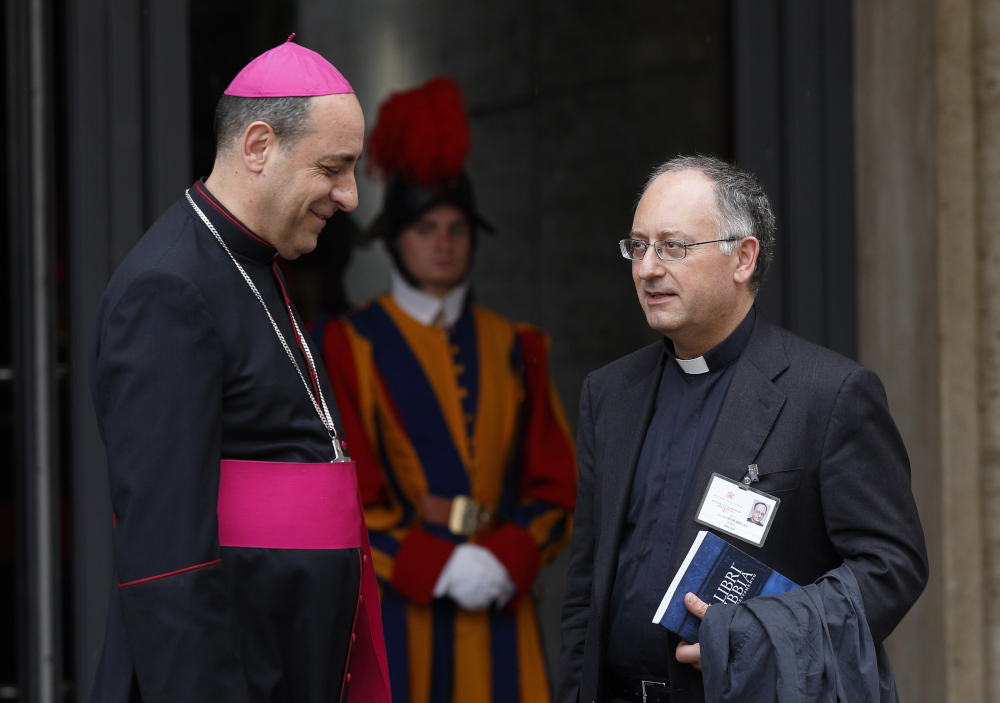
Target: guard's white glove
point(475, 579)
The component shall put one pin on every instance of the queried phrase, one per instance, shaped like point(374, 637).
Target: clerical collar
point(722, 354)
point(424, 307)
point(234, 233)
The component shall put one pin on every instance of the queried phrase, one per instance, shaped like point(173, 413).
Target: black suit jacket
point(818, 427)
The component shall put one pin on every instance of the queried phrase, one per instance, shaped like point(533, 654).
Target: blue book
point(716, 572)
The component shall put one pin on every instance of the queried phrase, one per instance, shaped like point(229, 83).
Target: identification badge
point(737, 509)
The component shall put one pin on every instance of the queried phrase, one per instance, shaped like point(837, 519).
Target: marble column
point(987, 47)
point(928, 138)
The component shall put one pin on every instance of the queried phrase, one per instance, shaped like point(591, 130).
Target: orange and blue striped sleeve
point(541, 495)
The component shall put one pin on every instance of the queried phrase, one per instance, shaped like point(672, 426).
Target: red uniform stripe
point(548, 472)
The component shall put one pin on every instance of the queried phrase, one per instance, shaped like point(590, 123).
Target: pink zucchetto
point(288, 71)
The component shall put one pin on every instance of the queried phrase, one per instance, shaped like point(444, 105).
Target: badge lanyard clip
point(751, 477)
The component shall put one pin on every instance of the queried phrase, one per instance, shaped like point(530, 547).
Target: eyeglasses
point(666, 249)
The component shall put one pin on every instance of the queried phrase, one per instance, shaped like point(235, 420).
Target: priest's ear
point(747, 251)
point(259, 142)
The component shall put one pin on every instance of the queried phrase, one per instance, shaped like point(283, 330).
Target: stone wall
point(571, 104)
point(928, 165)
point(988, 253)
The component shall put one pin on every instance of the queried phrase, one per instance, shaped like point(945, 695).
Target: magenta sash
point(280, 505)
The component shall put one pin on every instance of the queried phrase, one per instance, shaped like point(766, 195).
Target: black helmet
point(418, 146)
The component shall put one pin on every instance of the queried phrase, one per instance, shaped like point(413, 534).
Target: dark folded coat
point(810, 645)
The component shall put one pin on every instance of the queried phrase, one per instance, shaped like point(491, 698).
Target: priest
point(242, 563)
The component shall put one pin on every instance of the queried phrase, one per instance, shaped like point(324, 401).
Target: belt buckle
point(650, 683)
point(467, 517)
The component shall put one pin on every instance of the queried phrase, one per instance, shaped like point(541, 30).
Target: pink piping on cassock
point(211, 200)
point(167, 575)
point(298, 339)
point(354, 626)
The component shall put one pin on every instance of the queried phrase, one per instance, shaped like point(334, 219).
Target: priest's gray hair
point(742, 207)
point(288, 117)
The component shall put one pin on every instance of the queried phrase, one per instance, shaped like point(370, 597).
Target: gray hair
point(288, 117)
point(742, 207)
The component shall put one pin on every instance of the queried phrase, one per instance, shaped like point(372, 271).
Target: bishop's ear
point(746, 253)
point(259, 142)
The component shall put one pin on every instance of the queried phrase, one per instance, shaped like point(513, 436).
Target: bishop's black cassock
point(187, 371)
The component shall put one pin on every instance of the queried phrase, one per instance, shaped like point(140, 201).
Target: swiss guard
point(465, 462)
point(243, 568)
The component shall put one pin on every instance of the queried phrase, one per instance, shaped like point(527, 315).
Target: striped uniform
point(466, 411)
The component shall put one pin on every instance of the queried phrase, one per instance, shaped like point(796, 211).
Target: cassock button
point(360, 598)
point(352, 638)
point(364, 558)
point(348, 677)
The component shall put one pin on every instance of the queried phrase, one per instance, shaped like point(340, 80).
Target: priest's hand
point(691, 653)
point(475, 579)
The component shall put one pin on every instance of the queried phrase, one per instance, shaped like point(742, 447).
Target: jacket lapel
point(629, 413)
point(747, 416)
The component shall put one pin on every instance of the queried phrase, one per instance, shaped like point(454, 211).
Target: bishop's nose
point(345, 194)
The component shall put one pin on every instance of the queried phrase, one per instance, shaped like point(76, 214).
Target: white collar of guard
point(424, 307)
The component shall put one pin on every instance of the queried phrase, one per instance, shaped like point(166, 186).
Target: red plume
point(421, 133)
